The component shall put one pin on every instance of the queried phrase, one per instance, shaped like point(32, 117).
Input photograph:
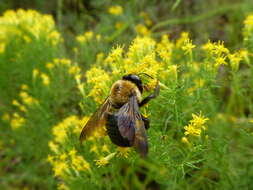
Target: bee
point(120, 114)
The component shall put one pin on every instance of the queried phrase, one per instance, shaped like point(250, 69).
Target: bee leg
point(151, 96)
point(146, 121)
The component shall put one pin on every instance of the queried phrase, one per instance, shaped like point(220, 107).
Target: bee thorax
point(121, 91)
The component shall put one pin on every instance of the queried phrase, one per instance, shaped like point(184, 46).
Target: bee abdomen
point(113, 131)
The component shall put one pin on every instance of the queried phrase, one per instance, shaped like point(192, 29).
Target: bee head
point(134, 79)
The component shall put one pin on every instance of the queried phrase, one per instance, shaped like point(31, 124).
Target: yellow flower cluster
point(143, 56)
point(165, 49)
point(196, 125)
point(218, 51)
point(115, 10)
point(142, 30)
point(43, 76)
point(60, 130)
point(17, 121)
point(99, 79)
point(25, 101)
point(29, 25)
point(248, 31)
point(69, 159)
point(87, 36)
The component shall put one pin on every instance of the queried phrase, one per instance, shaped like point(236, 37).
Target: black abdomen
point(113, 131)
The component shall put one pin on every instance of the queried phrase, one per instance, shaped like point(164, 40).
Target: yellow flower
point(184, 36)
point(98, 37)
point(2, 47)
point(123, 151)
point(22, 108)
point(50, 66)
point(220, 61)
point(88, 35)
point(81, 38)
point(17, 121)
point(105, 148)
point(185, 140)
point(198, 120)
point(196, 125)
point(75, 69)
point(59, 168)
point(45, 79)
point(27, 39)
point(104, 160)
point(235, 60)
point(53, 147)
point(80, 163)
point(94, 149)
point(142, 30)
point(188, 46)
point(50, 159)
point(115, 10)
point(24, 87)
point(192, 130)
point(63, 156)
point(35, 73)
point(62, 186)
point(72, 152)
point(15, 103)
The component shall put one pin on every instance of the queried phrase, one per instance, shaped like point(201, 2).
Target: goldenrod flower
point(45, 79)
point(17, 121)
point(105, 148)
point(104, 160)
point(24, 87)
point(192, 130)
point(59, 168)
point(62, 186)
point(115, 10)
point(63, 156)
point(50, 66)
point(50, 159)
point(53, 147)
point(98, 37)
point(35, 73)
point(142, 30)
point(80, 163)
point(2, 47)
point(15, 103)
point(88, 35)
point(188, 46)
point(123, 151)
point(73, 152)
point(185, 140)
point(94, 149)
point(220, 61)
point(196, 125)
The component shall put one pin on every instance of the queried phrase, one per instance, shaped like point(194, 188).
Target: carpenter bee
point(120, 114)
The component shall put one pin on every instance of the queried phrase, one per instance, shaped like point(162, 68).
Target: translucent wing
point(96, 120)
point(132, 127)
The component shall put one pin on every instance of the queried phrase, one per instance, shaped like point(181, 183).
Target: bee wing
point(131, 125)
point(95, 121)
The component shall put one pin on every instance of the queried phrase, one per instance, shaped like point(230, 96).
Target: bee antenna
point(145, 74)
